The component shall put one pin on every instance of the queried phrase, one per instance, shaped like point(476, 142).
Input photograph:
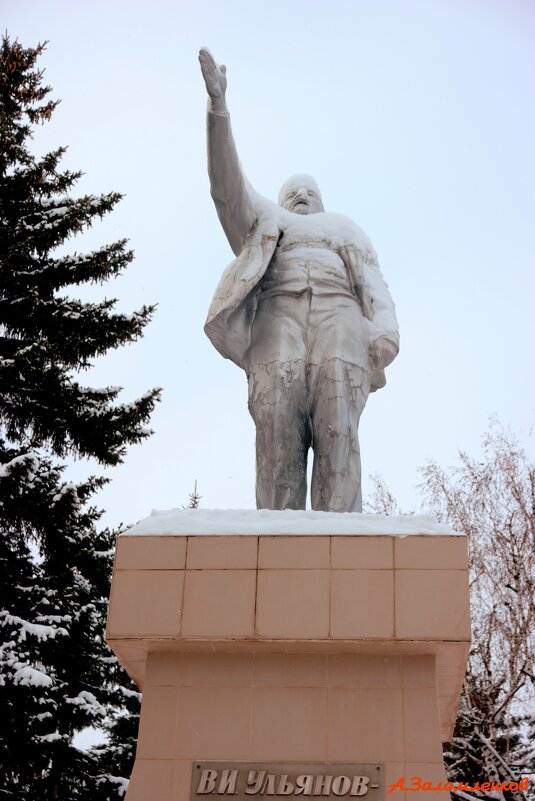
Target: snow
point(33, 629)
point(67, 488)
point(200, 522)
point(128, 693)
point(7, 467)
point(119, 780)
point(329, 226)
point(88, 702)
point(31, 677)
point(50, 738)
point(105, 390)
point(59, 211)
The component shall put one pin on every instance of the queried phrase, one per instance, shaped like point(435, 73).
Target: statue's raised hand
point(215, 78)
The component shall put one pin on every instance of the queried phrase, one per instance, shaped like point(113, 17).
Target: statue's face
point(301, 195)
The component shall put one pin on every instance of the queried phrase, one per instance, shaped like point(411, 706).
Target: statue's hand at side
point(215, 78)
point(382, 352)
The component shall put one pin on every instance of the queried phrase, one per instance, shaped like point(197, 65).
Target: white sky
point(417, 120)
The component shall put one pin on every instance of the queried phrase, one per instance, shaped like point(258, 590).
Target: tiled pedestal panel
point(290, 648)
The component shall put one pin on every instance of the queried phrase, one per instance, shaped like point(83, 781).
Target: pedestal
point(290, 649)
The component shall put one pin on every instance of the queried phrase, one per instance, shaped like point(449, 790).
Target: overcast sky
point(417, 119)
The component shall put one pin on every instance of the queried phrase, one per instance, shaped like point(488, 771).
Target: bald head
point(301, 194)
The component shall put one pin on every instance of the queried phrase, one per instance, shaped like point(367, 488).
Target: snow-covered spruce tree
point(56, 674)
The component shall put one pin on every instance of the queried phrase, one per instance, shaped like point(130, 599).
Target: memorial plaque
point(243, 780)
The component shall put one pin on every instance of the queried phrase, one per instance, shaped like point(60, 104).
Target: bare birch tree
point(491, 500)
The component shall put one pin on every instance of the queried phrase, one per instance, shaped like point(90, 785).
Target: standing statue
point(304, 310)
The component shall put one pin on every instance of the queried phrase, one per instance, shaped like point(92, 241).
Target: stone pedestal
point(326, 649)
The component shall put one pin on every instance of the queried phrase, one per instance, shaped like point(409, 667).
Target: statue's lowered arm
point(384, 330)
point(228, 185)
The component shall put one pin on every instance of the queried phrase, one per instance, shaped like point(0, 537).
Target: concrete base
point(290, 649)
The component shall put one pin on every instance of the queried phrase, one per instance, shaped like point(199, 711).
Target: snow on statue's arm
point(384, 329)
point(228, 185)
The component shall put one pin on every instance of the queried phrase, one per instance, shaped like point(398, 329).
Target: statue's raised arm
point(228, 185)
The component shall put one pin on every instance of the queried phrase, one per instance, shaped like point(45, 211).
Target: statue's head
point(301, 194)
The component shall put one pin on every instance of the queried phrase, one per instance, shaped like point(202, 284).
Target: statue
point(304, 310)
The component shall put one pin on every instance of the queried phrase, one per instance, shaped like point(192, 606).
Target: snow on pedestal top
point(198, 522)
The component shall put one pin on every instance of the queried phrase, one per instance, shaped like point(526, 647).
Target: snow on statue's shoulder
point(267, 522)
